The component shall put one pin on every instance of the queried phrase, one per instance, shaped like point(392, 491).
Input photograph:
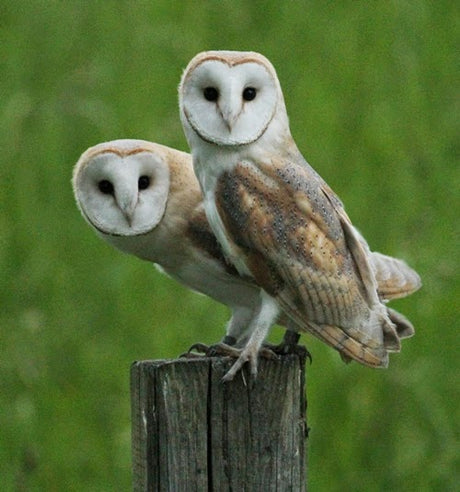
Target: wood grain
point(191, 432)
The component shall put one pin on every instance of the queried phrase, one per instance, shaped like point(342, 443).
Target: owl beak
point(129, 218)
point(229, 115)
point(229, 111)
point(127, 206)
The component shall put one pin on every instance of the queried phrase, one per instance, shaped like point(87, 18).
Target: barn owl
point(144, 199)
point(276, 219)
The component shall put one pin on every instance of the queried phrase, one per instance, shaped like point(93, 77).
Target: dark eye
point(143, 183)
point(211, 94)
point(249, 94)
point(106, 187)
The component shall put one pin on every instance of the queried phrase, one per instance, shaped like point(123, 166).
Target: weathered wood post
point(191, 432)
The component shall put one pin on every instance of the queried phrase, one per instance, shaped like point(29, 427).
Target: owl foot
point(248, 354)
point(289, 345)
point(224, 349)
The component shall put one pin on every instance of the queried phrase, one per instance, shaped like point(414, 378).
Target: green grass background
point(370, 89)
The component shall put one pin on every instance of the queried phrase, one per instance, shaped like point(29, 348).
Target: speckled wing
point(300, 246)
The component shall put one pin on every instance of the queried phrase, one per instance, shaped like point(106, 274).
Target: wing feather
point(300, 246)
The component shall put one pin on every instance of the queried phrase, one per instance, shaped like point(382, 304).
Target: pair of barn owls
point(257, 228)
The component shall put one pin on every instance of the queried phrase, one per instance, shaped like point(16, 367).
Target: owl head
point(121, 187)
point(230, 97)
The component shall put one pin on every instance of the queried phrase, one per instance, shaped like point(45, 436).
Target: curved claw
point(237, 366)
point(289, 345)
point(267, 353)
point(302, 352)
point(222, 349)
point(249, 355)
point(199, 347)
point(284, 349)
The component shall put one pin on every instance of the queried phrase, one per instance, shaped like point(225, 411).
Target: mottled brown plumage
point(299, 251)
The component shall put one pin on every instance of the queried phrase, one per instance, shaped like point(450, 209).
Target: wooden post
point(191, 432)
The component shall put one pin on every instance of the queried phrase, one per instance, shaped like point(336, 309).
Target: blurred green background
point(370, 90)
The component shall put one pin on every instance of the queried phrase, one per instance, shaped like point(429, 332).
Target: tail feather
point(394, 328)
point(385, 327)
point(404, 327)
point(382, 325)
point(395, 279)
point(391, 339)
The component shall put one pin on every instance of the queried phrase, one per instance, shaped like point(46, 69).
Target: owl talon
point(220, 349)
point(237, 366)
point(198, 347)
point(288, 349)
point(223, 350)
point(289, 345)
point(268, 353)
point(248, 355)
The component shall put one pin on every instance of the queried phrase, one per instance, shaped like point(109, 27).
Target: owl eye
point(249, 93)
point(143, 182)
point(106, 187)
point(211, 94)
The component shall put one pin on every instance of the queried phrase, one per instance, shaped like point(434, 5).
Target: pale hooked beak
point(127, 203)
point(230, 108)
point(230, 115)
